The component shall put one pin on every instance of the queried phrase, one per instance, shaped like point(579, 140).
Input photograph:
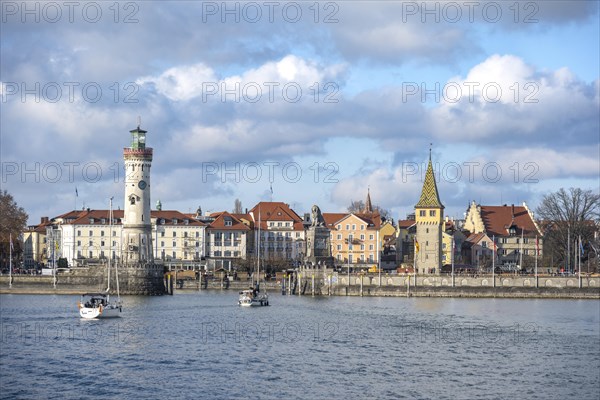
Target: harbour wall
point(340, 285)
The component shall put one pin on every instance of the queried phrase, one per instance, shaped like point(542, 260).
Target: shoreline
point(357, 291)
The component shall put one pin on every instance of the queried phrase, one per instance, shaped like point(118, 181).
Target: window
point(371, 258)
point(102, 243)
point(197, 244)
point(353, 227)
point(339, 257)
point(162, 233)
point(90, 233)
point(279, 224)
point(227, 253)
point(484, 244)
point(91, 254)
point(347, 227)
point(197, 234)
point(339, 236)
point(91, 243)
point(185, 234)
point(432, 213)
point(443, 245)
point(422, 213)
point(371, 247)
point(371, 237)
point(339, 227)
point(114, 233)
point(525, 240)
point(162, 244)
point(79, 243)
point(362, 246)
point(362, 227)
point(101, 233)
point(362, 237)
point(174, 234)
point(174, 254)
point(426, 230)
point(228, 222)
point(339, 247)
point(78, 233)
point(174, 244)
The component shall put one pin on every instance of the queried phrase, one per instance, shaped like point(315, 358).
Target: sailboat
point(99, 305)
point(254, 297)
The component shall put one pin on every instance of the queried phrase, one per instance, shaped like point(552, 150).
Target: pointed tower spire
point(368, 204)
point(429, 194)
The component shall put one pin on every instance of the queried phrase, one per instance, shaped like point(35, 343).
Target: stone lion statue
point(317, 217)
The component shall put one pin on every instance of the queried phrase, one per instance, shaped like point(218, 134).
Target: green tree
point(13, 220)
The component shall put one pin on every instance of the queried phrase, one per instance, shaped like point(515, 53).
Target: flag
point(271, 187)
point(416, 246)
point(76, 193)
point(11, 243)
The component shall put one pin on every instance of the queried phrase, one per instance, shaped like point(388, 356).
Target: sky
point(301, 102)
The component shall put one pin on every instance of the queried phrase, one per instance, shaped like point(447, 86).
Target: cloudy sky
point(302, 102)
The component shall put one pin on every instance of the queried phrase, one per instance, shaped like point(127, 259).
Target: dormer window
point(512, 230)
point(91, 220)
point(186, 221)
point(174, 221)
point(228, 222)
point(162, 221)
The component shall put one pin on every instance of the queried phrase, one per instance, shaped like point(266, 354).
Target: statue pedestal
point(318, 246)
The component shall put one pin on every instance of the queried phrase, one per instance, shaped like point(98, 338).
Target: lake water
point(202, 345)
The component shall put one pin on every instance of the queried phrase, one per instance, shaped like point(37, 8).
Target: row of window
point(351, 237)
point(362, 227)
point(359, 259)
point(362, 247)
point(226, 253)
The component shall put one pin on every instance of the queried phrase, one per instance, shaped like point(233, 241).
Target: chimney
point(44, 220)
point(512, 210)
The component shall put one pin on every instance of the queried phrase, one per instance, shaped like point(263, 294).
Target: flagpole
point(579, 267)
point(536, 260)
point(416, 246)
point(521, 252)
point(10, 261)
point(453, 250)
point(493, 260)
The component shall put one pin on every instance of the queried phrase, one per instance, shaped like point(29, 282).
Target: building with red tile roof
point(513, 228)
point(229, 239)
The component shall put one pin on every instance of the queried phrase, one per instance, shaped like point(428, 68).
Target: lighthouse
point(137, 227)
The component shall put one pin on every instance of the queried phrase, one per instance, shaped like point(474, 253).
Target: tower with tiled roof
point(429, 218)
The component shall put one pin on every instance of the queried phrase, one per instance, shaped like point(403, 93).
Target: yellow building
point(354, 237)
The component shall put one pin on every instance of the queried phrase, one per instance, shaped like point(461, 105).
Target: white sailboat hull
point(92, 306)
point(249, 299)
point(110, 311)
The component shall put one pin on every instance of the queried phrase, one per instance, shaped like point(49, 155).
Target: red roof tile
point(498, 219)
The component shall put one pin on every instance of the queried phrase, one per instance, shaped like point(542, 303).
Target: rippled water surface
point(202, 345)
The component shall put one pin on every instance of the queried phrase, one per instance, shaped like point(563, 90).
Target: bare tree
point(12, 224)
point(358, 206)
point(237, 207)
point(566, 215)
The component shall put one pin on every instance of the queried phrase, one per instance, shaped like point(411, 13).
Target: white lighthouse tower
point(137, 228)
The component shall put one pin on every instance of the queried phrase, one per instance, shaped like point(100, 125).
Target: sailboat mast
point(110, 241)
point(258, 257)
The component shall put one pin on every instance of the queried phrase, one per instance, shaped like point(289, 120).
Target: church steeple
point(368, 204)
